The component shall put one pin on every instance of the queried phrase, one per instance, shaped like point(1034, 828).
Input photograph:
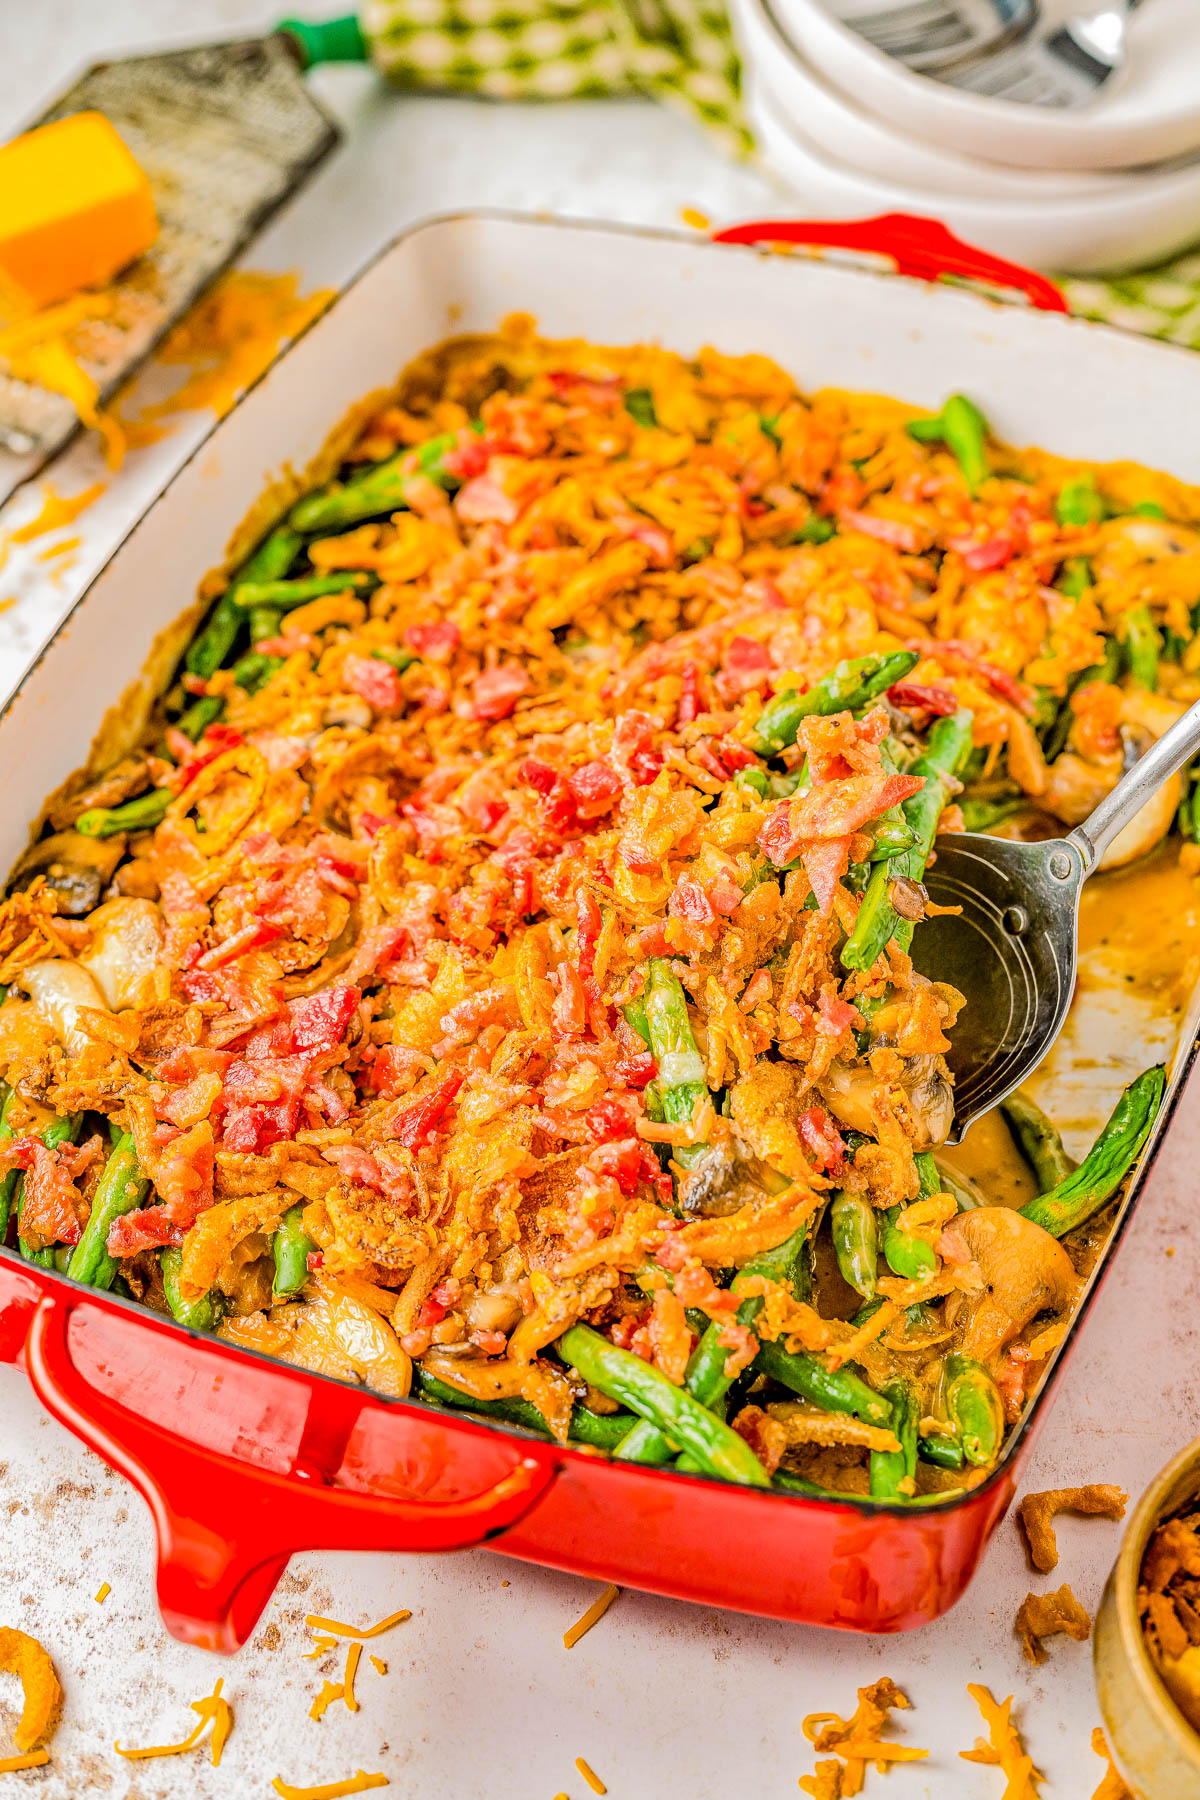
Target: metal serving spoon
point(1013, 949)
point(1063, 69)
point(931, 35)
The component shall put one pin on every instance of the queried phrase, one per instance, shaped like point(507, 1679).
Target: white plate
point(1135, 221)
point(799, 96)
point(1151, 115)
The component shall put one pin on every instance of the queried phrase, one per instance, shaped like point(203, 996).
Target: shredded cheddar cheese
point(857, 1741)
point(34, 1760)
point(60, 549)
point(592, 1616)
point(315, 1623)
point(590, 1776)
point(378, 1665)
point(57, 510)
point(697, 220)
point(352, 1656)
point(1004, 1749)
point(320, 1646)
point(330, 1790)
point(214, 1711)
point(103, 1593)
point(330, 1691)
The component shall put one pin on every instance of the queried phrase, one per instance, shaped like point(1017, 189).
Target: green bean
point(399, 659)
point(816, 529)
point(1037, 1140)
point(625, 1377)
point(283, 595)
point(944, 1451)
point(291, 1248)
point(1073, 1201)
point(878, 922)
point(855, 1242)
point(603, 1431)
point(384, 487)
point(1075, 577)
point(892, 838)
point(756, 779)
point(639, 404)
point(254, 671)
point(1142, 647)
point(706, 1378)
point(975, 1410)
point(1149, 509)
point(981, 815)
point(204, 1314)
point(681, 1079)
point(264, 622)
point(142, 814)
point(1078, 502)
point(196, 719)
point(905, 1255)
point(796, 1484)
point(850, 686)
point(892, 1472)
point(273, 558)
point(833, 1390)
point(962, 428)
point(952, 1184)
point(9, 1182)
point(121, 1188)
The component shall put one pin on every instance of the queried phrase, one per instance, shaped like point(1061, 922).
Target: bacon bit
point(1004, 1750)
point(592, 1616)
point(992, 553)
point(251, 937)
point(330, 1790)
point(48, 1212)
point(436, 642)
point(915, 696)
point(758, 988)
point(25, 1658)
point(595, 788)
point(497, 690)
point(1036, 1514)
point(214, 1711)
point(194, 757)
point(689, 697)
point(314, 1622)
point(831, 810)
point(1042, 1615)
point(885, 531)
point(374, 681)
point(823, 1140)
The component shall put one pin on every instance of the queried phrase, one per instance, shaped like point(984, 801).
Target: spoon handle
point(1163, 759)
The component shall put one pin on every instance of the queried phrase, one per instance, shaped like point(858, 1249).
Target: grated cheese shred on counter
point(348, 1694)
point(378, 1664)
point(1004, 1750)
point(590, 1776)
point(33, 1759)
point(592, 1616)
point(214, 1711)
point(330, 1790)
point(102, 1593)
point(314, 1622)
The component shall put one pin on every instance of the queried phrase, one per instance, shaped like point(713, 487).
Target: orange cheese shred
point(320, 1646)
point(103, 1593)
point(1004, 1750)
point(57, 510)
point(315, 1623)
point(329, 1790)
point(352, 1656)
point(592, 1616)
point(33, 1760)
point(590, 1776)
point(378, 1665)
point(330, 1691)
point(212, 1710)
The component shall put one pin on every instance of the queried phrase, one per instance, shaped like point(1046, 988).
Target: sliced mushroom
point(59, 991)
point(851, 1094)
point(1025, 1271)
point(127, 936)
point(76, 868)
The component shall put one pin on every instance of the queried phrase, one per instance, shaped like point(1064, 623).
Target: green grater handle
point(330, 41)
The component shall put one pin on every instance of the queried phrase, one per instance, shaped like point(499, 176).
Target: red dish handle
point(920, 247)
point(225, 1529)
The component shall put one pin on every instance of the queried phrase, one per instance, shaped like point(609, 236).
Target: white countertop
point(480, 1698)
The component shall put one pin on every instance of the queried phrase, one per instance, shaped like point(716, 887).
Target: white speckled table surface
point(479, 1697)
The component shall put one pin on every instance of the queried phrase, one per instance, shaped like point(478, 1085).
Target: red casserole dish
point(244, 1461)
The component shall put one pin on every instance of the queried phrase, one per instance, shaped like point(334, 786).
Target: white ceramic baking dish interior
point(1128, 225)
point(863, 141)
point(1152, 115)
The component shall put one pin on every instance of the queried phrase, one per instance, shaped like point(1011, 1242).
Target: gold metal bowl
point(1155, 1748)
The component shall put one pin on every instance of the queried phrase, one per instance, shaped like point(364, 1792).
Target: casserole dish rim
point(1184, 1054)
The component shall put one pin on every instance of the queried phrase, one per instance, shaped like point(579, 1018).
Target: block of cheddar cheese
point(74, 209)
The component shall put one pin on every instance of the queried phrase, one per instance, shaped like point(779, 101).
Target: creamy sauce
point(1139, 962)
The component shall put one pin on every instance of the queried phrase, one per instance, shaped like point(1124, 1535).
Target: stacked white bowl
point(1109, 185)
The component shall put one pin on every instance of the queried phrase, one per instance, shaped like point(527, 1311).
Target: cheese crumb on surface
point(590, 1776)
point(1111, 1786)
point(592, 1616)
point(352, 1656)
point(697, 220)
point(315, 1622)
point(103, 1593)
point(57, 510)
point(214, 1711)
point(1004, 1749)
point(32, 1760)
point(330, 1691)
point(378, 1664)
point(330, 1790)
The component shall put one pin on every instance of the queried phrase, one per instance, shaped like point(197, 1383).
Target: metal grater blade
point(225, 133)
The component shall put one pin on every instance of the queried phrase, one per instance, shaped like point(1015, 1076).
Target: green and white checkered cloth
point(681, 52)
